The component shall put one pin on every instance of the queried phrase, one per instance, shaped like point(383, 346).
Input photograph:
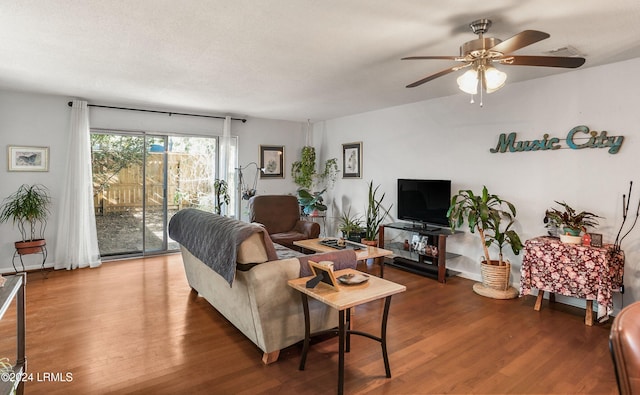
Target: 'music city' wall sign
point(576, 139)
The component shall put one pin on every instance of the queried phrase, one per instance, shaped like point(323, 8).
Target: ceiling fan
point(480, 54)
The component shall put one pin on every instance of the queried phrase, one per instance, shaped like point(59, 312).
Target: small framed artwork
point(27, 158)
point(352, 160)
point(324, 270)
point(596, 239)
point(272, 161)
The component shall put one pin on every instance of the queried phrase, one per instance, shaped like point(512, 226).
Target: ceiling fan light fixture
point(494, 79)
point(468, 82)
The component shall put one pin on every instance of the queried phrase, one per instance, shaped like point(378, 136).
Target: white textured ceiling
point(282, 59)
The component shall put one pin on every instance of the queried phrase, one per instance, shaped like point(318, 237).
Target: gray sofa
point(258, 301)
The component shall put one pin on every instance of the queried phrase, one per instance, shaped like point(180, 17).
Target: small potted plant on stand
point(28, 208)
point(570, 222)
point(376, 213)
point(351, 226)
point(488, 214)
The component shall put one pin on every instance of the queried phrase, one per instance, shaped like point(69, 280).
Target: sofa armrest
point(308, 228)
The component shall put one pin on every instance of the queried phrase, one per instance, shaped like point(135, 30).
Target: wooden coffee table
point(347, 297)
point(366, 252)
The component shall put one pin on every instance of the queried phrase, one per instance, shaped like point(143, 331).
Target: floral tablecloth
point(572, 270)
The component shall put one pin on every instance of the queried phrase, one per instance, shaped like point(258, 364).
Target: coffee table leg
point(307, 330)
point(341, 336)
point(383, 336)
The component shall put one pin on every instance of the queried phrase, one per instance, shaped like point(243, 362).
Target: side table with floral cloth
point(584, 272)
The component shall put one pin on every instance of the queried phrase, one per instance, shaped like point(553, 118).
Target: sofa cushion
point(252, 250)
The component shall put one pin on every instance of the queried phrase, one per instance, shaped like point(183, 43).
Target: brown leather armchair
point(624, 344)
point(280, 215)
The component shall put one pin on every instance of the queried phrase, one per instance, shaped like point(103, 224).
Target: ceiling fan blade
point(545, 61)
point(432, 57)
point(520, 40)
point(433, 77)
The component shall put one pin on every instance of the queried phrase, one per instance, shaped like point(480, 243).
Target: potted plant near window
point(221, 190)
point(493, 218)
point(376, 214)
point(28, 208)
point(351, 226)
point(571, 222)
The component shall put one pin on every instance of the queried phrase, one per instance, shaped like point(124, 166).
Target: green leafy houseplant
point(221, 190)
point(487, 214)
point(304, 171)
point(569, 219)
point(376, 213)
point(350, 225)
point(28, 208)
point(311, 202)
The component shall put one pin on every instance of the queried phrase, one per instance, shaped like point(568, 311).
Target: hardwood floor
point(134, 327)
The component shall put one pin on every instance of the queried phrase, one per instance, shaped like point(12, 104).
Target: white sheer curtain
point(225, 152)
point(77, 240)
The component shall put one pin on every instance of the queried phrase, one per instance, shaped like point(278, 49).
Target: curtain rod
point(161, 112)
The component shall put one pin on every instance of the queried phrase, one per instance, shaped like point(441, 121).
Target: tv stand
point(420, 263)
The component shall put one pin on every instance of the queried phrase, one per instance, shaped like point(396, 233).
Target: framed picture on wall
point(22, 158)
point(272, 161)
point(352, 160)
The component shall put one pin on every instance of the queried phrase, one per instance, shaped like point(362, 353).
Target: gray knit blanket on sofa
point(214, 239)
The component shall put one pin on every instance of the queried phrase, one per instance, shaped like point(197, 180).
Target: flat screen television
point(424, 201)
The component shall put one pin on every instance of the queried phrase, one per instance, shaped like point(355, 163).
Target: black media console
point(425, 262)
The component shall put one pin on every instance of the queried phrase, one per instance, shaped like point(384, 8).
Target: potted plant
point(311, 202)
point(493, 218)
point(376, 213)
point(351, 226)
point(570, 221)
point(304, 171)
point(28, 208)
point(221, 190)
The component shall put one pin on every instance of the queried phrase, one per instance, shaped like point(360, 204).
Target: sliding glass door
point(141, 180)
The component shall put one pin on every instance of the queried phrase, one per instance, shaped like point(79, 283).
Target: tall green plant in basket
point(489, 215)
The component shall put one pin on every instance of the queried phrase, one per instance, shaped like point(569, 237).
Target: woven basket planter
point(494, 276)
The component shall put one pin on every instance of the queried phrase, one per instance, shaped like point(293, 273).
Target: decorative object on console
point(596, 239)
point(570, 221)
point(485, 213)
point(376, 214)
point(27, 158)
point(272, 161)
point(352, 160)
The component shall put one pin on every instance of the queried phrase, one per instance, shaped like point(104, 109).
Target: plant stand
point(41, 248)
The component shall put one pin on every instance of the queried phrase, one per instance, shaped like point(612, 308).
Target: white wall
point(449, 138)
point(43, 120)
